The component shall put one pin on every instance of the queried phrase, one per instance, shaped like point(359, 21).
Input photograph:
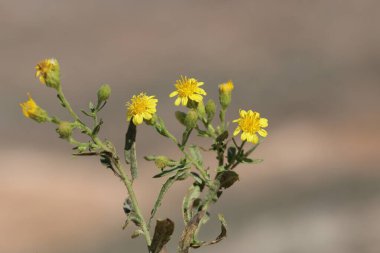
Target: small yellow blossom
point(141, 107)
point(226, 87)
point(187, 89)
point(251, 123)
point(47, 71)
point(31, 110)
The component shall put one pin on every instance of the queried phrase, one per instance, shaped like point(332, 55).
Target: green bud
point(104, 92)
point(201, 111)
point(225, 100)
point(180, 116)
point(191, 119)
point(65, 129)
point(210, 110)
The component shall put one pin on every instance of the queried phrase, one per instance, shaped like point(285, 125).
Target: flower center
point(186, 88)
point(138, 106)
point(250, 124)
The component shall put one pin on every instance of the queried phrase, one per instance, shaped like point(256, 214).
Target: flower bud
point(225, 90)
point(104, 92)
point(180, 116)
point(201, 111)
point(210, 110)
point(48, 72)
point(191, 119)
point(65, 129)
point(31, 110)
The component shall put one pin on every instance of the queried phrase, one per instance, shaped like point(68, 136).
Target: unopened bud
point(210, 110)
point(65, 129)
point(104, 92)
point(191, 119)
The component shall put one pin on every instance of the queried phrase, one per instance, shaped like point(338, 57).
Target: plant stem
point(128, 184)
point(124, 177)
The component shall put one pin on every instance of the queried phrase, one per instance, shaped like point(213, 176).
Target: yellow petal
point(263, 122)
point(137, 119)
point(242, 113)
point(147, 116)
point(196, 97)
point(263, 132)
point(244, 136)
point(255, 139)
point(184, 101)
point(174, 93)
point(237, 131)
point(177, 101)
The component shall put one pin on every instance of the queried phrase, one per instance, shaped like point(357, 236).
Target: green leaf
point(187, 203)
point(171, 170)
point(162, 233)
point(196, 155)
point(231, 153)
point(130, 149)
point(165, 187)
point(96, 129)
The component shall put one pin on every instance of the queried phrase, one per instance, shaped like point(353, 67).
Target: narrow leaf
point(165, 187)
point(130, 149)
point(196, 154)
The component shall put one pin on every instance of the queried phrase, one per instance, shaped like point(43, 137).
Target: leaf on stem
point(188, 233)
point(165, 187)
point(130, 149)
point(221, 236)
point(162, 233)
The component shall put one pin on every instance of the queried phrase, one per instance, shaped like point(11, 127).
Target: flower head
point(226, 87)
point(47, 71)
point(141, 107)
point(31, 110)
point(187, 89)
point(225, 90)
point(251, 123)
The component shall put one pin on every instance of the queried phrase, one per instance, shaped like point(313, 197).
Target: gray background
point(310, 67)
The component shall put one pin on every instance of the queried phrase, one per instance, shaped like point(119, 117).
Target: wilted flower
point(47, 71)
point(31, 110)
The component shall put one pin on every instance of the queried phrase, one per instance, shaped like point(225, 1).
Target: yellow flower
point(251, 123)
point(187, 88)
point(141, 107)
point(226, 87)
point(31, 110)
point(47, 71)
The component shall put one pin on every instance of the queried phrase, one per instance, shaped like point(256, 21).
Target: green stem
point(124, 177)
point(128, 184)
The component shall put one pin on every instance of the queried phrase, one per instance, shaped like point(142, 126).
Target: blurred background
point(311, 67)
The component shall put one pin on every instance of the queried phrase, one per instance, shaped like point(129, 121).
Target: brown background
point(311, 67)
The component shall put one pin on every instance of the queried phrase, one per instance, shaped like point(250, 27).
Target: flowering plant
point(208, 184)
